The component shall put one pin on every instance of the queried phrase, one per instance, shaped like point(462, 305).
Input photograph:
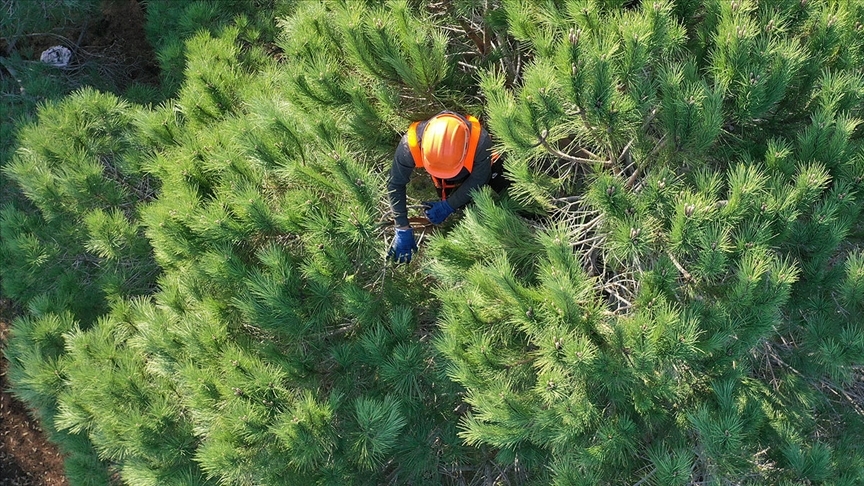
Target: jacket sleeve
point(400, 175)
point(480, 174)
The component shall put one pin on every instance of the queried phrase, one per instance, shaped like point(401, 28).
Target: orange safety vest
point(473, 140)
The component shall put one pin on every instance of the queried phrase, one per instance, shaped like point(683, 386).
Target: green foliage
point(702, 172)
point(42, 16)
point(170, 24)
point(669, 294)
point(80, 243)
point(273, 337)
point(24, 83)
point(38, 367)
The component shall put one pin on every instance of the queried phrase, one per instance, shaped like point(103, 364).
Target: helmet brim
point(443, 174)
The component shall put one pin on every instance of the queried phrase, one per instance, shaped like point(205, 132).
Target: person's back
point(456, 151)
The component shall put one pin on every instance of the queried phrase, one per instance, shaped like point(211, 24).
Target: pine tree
point(679, 308)
point(75, 247)
point(276, 349)
point(290, 345)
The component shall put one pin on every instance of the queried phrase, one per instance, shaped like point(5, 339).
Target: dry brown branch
point(569, 158)
point(853, 396)
point(626, 151)
point(632, 180)
point(684, 273)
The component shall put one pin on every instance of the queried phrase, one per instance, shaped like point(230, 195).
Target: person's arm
point(400, 175)
point(480, 173)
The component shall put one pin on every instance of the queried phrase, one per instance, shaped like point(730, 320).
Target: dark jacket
point(403, 166)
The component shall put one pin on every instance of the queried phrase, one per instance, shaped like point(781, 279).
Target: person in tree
point(456, 152)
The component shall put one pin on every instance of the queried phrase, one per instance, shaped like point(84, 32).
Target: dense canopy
point(670, 292)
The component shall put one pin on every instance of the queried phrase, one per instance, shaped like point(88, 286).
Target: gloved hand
point(438, 211)
point(403, 246)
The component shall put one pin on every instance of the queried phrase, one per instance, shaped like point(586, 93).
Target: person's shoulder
point(485, 138)
point(402, 154)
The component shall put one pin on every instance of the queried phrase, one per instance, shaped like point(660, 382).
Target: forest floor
point(27, 458)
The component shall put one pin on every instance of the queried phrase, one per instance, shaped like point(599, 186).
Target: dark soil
point(118, 42)
point(26, 456)
point(114, 43)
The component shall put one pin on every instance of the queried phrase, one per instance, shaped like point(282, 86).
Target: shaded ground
point(113, 45)
point(117, 43)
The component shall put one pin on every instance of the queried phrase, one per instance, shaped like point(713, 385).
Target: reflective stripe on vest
point(473, 141)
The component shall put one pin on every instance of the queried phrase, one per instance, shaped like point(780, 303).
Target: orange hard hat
point(444, 145)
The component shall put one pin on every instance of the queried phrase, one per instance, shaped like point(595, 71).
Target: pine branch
point(570, 158)
point(684, 273)
point(511, 60)
point(659, 146)
point(632, 179)
point(625, 152)
point(478, 36)
point(143, 191)
point(623, 281)
point(855, 399)
point(647, 477)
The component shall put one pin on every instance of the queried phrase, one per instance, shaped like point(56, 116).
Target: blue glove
point(403, 246)
point(437, 212)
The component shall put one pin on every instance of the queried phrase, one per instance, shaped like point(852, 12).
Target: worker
point(456, 151)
